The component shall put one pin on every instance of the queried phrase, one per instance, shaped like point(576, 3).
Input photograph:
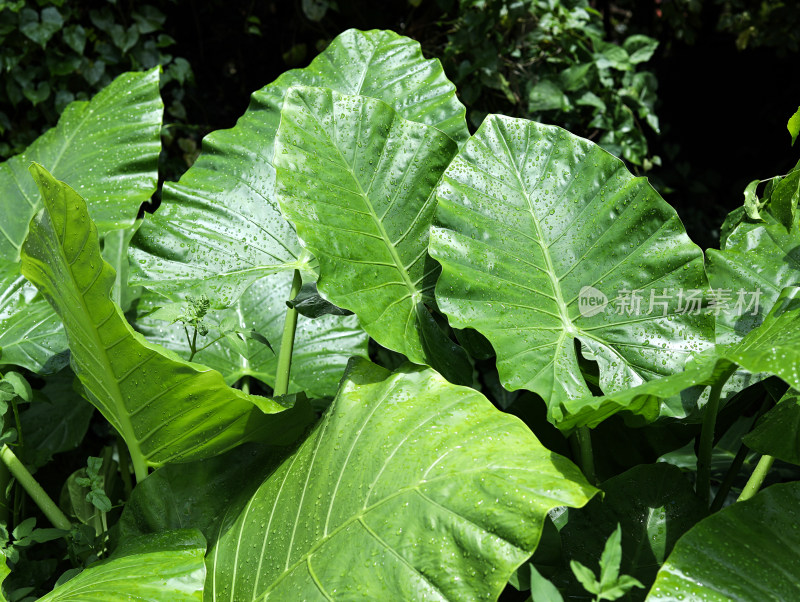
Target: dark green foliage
point(54, 51)
point(553, 62)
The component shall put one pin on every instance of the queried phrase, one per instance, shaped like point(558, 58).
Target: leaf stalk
point(757, 478)
point(703, 485)
point(31, 485)
point(287, 342)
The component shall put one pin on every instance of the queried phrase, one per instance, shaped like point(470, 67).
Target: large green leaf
point(166, 409)
point(107, 149)
point(748, 551)
point(322, 346)
point(536, 224)
point(219, 228)
point(154, 568)
point(356, 180)
point(406, 483)
point(31, 334)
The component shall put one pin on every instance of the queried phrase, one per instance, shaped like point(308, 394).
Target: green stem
point(245, 384)
point(193, 344)
point(757, 478)
point(584, 437)
point(38, 495)
point(703, 485)
point(287, 342)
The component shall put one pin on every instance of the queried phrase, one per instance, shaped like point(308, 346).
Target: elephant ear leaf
point(107, 148)
point(357, 180)
point(164, 408)
point(546, 240)
point(406, 482)
point(219, 229)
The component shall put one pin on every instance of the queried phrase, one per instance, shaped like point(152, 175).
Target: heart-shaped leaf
point(747, 551)
point(407, 482)
point(219, 228)
point(165, 409)
point(547, 240)
point(655, 505)
point(356, 180)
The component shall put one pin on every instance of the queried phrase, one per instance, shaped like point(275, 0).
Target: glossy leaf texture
point(777, 433)
point(106, 149)
point(31, 334)
point(356, 180)
point(154, 568)
point(166, 409)
point(220, 228)
point(747, 551)
point(772, 348)
point(755, 263)
point(322, 346)
point(206, 494)
point(406, 482)
point(545, 240)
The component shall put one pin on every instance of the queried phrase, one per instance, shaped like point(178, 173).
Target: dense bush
point(554, 62)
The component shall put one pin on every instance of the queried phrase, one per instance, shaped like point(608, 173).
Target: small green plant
point(611, 584)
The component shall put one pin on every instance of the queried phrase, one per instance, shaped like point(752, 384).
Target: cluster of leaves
point(53, 52)
point(415, 281)
point(552, 61)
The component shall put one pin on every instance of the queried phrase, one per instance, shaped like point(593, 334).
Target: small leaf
point(794, 125)
point(585, 576)
point(611, 558)
point(542, 589)
point(620, 588)
point(99, 500)
point(311, 304)
point(751, 205)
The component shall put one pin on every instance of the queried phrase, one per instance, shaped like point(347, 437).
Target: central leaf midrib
point(549, 268)
point(398, 262)
point(123, 418)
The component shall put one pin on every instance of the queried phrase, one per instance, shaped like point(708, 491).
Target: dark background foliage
point(719, 86)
